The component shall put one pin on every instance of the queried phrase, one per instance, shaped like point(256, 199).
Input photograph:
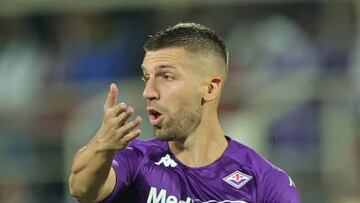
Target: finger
point(124, 116)
point(118, 121)
point(111, 97)
point(119, 109)
point(128, 138)
point(131, 135)
point(125, 129)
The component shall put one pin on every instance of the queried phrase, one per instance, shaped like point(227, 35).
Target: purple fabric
point(147, 171)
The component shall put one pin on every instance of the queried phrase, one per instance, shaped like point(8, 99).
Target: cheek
point(179, 94)
point(173, 89)
point(188, 99)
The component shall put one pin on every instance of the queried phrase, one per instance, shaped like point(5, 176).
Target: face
point(172, 92)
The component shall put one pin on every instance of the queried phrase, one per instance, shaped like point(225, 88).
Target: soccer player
point(191, 160)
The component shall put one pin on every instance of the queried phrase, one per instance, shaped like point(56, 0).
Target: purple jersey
point(147, 171)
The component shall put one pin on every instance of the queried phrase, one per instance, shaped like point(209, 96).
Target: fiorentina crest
point(237, 179)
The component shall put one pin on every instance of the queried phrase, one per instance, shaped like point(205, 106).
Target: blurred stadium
point(293, 93)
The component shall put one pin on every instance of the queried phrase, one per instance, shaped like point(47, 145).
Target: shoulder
point(141, 148)
point(273, 182)
point(247, 156)
point(129, 160)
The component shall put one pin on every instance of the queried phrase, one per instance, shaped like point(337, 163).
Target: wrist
point(101, 148)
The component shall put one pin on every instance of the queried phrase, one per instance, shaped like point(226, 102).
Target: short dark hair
point(193, 37)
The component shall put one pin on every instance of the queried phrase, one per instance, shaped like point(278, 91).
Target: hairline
point(222, 70)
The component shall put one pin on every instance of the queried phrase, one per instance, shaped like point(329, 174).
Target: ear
point(212, 89)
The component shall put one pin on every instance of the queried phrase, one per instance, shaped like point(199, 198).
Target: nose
point(150, 92)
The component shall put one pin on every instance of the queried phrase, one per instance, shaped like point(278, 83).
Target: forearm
point(91, 176)
point(90, 170)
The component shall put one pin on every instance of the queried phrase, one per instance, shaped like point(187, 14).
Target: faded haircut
point(192, 37)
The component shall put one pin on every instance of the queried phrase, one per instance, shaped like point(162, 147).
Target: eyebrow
point(160, 67)
point(165, 66)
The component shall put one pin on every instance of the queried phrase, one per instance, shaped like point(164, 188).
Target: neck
point(203, 146)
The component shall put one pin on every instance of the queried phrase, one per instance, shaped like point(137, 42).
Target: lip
point(155, 121)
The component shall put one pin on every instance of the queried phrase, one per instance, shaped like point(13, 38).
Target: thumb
point(112, 96)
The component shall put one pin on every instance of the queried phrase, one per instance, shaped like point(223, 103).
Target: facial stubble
point(180, 124)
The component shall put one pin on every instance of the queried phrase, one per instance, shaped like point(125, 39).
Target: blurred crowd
point(293, 93)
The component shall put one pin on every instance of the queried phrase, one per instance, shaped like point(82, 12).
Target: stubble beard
point(180, 124)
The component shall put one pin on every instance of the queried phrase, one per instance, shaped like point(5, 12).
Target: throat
point(199, 154)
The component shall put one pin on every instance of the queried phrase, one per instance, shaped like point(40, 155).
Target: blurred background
point(293, 93)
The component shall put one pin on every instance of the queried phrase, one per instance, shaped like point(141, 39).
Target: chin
point(160, 134)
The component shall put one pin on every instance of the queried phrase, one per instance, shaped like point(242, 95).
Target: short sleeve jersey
point(147, 172)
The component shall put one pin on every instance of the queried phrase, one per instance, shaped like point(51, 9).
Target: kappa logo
point(167, 161)
point(237, 179)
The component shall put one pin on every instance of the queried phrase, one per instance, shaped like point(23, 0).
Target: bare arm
point(92, 178)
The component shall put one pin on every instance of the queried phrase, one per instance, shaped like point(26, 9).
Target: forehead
point(173, 57)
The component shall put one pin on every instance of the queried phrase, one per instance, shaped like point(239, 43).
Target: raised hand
point(116, 132)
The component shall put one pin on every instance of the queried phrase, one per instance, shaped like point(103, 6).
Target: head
point(185, 68)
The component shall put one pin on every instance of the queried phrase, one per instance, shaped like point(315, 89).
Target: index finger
point(112, 96)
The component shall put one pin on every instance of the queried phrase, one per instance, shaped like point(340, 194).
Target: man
point(191, 160)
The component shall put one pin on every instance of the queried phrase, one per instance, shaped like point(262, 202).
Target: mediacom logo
point(162, 197)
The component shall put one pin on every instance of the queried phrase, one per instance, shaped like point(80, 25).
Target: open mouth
point(155, 117)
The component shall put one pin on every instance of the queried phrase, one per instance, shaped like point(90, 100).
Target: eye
point(145, 78)
point(168, 76)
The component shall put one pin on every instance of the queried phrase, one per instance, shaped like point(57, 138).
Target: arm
point(92, 178)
